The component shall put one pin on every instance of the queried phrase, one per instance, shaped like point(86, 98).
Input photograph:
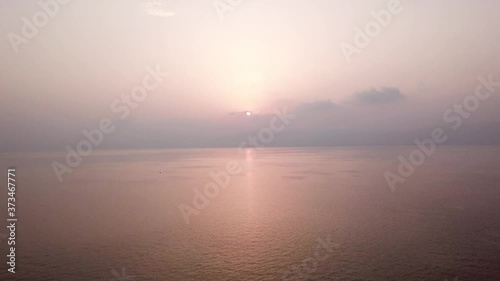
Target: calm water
point(119, 209)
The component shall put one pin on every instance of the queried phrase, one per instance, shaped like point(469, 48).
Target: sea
point(254, 214)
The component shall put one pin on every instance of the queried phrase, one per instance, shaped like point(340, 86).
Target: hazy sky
point(263, 56)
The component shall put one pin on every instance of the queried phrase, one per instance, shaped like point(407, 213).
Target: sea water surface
point(117, 216)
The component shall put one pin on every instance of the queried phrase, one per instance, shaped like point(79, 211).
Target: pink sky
point(263, 55)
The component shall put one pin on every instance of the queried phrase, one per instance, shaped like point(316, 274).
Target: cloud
point(158, 8)
point(379, 96)
point(241, 113)
point(320, 106)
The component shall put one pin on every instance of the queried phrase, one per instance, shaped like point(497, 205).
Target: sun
point(248, 113)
